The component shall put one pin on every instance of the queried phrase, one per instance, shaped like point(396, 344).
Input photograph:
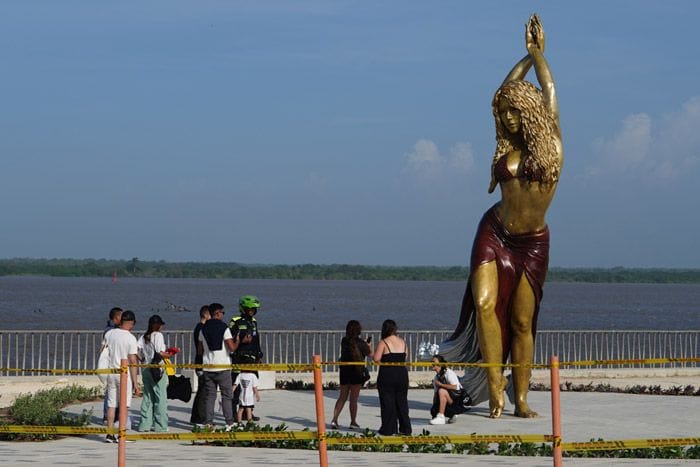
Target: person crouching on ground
point(448, 399)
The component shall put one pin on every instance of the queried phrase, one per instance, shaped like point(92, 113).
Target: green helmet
point(248, 301)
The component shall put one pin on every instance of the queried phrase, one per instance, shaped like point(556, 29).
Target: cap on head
point(248, 301)
point(128, 315)
point(155, 319)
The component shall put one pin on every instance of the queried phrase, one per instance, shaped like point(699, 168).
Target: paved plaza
point(585, 416)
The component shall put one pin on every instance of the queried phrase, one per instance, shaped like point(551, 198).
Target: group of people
point(392, 382)
point(218, 346)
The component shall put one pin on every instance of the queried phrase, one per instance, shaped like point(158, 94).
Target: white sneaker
point(438, 420)
point(232, 426)
point(452, 419)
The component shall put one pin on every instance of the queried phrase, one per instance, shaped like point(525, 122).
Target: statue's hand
point(534, 34)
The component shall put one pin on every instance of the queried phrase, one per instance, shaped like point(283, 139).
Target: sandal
point(334, 425)
point(355, 426)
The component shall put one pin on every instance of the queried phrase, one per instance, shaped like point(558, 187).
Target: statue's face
point(510, 116)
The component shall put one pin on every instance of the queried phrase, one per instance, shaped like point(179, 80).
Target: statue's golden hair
point(540, 160)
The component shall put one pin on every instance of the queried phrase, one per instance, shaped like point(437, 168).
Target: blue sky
point(336, 131)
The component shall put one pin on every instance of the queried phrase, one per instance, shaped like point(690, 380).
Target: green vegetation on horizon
point(220, 270)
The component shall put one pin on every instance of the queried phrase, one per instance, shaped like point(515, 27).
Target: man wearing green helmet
point(246, 327)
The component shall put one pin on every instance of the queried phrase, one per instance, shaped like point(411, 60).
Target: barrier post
point(123, 387)
point(556, 411)
point(320, 415)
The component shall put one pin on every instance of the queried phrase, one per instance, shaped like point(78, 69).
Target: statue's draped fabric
point(515, 255)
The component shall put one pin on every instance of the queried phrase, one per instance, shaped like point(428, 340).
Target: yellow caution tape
point(630, 444)
point(246, 366)
point(311, 366)
point(372, 440)
point(227, 436)
point(441, 439)
point(642, 361)
point(58, 430)
point(57, 371)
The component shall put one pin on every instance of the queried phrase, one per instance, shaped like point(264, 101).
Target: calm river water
point(83, 303)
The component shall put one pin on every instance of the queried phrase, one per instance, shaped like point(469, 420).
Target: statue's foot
point(497, 399)
point(524, 411)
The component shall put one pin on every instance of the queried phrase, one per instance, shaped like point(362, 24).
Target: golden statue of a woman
point(511, 249)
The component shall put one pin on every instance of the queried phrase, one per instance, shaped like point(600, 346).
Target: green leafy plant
point(43, 408)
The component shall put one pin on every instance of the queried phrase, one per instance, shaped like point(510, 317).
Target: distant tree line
point(219, 270)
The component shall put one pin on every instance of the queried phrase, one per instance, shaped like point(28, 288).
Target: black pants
point(393, 402)
point(199, 406)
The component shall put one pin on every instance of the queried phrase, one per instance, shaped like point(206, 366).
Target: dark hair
point(353, 328)
point(128, 315)
point(153, 322)
point(440, 359)
point(214, 307)
point(204, 311)
point(352, 332)
point(388, 328)
point(114, 312)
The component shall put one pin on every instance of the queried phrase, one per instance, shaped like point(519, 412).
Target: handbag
point(179, 387)
point(156, 371)
point(365, 374)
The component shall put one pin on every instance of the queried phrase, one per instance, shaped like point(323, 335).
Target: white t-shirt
point(148, 349)
point(121, 344)
point(216, 357)
point(247, 381)
point(450, 378)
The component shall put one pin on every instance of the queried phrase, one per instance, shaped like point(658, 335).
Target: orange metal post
point(320, 415)
point(556, 411)
point(123, 382)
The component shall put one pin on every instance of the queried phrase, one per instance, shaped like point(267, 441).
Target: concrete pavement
point(585, 416)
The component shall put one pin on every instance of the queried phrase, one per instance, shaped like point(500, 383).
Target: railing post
point(123, 411)
point(556, 411)
point(320, 415)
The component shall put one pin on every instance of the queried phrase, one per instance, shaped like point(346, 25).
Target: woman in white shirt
point(448, 396)
point(154, 406)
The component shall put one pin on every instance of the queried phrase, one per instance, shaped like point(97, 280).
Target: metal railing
point(78, 350)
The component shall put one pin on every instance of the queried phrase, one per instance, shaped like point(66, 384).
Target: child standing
point(248, 382)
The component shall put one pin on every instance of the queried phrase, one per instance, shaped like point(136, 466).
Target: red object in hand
point(172, 350)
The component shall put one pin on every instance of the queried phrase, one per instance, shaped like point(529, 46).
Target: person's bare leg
point(522, 348)
point(340, 403)
point(485, 291)
point(111, 415)
point(445, 399)
point(354, 396)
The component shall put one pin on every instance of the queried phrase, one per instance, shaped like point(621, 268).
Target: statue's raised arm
point(534, 42)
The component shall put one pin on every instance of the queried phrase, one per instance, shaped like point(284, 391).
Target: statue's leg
point(522, 346)
point(484, 282)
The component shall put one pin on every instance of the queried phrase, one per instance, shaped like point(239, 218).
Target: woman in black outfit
point(352, 349)
point(392, 382)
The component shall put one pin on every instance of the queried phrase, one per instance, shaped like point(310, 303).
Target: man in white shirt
point(122, 345)
point(216, 344)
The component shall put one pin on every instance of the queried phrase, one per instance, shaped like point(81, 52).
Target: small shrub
point(43, 408)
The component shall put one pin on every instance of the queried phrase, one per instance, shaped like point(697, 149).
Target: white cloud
point(642, 148)
point(425, 163)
